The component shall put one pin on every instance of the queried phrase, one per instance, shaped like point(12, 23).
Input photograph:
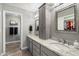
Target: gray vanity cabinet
point(43, 53)
point(44, 21)
point(30, 44)
point(33, 47)
point(42, 32)
point(39, 50)
point(36, 49)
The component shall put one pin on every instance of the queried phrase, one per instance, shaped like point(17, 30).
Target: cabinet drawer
point(36, 44)
point(43, 54)
point(36, 48)
point(31, 46)
point(35, 53)
point(28, 42)
point(48, 52)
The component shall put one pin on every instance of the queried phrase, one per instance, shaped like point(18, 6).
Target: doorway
point(12, 32)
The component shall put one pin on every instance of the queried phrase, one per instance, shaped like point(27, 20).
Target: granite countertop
point(55, 46)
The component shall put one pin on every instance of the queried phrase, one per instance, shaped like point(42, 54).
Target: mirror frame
point(65, 8)
point(36, 26)
point(35, 23)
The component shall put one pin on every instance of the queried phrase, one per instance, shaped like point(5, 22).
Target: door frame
point(4, 29)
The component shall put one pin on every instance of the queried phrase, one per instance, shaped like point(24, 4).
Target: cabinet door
point(36, 49)
point(31, 46)
point(44, 21)
point(35, 53)
point(28, 43)
point(43, 54)
point(42, 29)
point(36, 44)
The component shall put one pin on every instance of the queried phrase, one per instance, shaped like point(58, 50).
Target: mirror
point(66, 20)
point(36, 27)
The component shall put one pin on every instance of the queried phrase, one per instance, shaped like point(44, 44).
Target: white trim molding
point(13, 42)
point(4, 27)
point(2, 54)
point(24, 48)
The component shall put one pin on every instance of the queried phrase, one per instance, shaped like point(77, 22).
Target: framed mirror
point(66, 19)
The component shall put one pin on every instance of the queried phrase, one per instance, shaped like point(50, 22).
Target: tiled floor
point(13, 49)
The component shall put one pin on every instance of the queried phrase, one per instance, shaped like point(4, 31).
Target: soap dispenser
point(76, 44)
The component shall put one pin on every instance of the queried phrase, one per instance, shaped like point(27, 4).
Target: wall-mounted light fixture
point(13, 22)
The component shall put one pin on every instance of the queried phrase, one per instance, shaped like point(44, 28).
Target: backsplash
point(68, 37)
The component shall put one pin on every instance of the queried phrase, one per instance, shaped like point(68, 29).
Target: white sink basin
point(61, 46)
point(64, 48)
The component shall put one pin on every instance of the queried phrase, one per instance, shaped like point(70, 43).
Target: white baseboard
point(13, 42)
point(2, 54)
point(24, 48)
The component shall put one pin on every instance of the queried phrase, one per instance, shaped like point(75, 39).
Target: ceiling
point(32, 7)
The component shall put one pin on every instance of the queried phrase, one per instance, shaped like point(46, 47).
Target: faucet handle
point(64, 41)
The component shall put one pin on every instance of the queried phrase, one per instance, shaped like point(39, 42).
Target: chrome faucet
point(63, 41)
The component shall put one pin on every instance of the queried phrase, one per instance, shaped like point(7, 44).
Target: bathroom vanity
point(50, 47)
point(37, 49)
